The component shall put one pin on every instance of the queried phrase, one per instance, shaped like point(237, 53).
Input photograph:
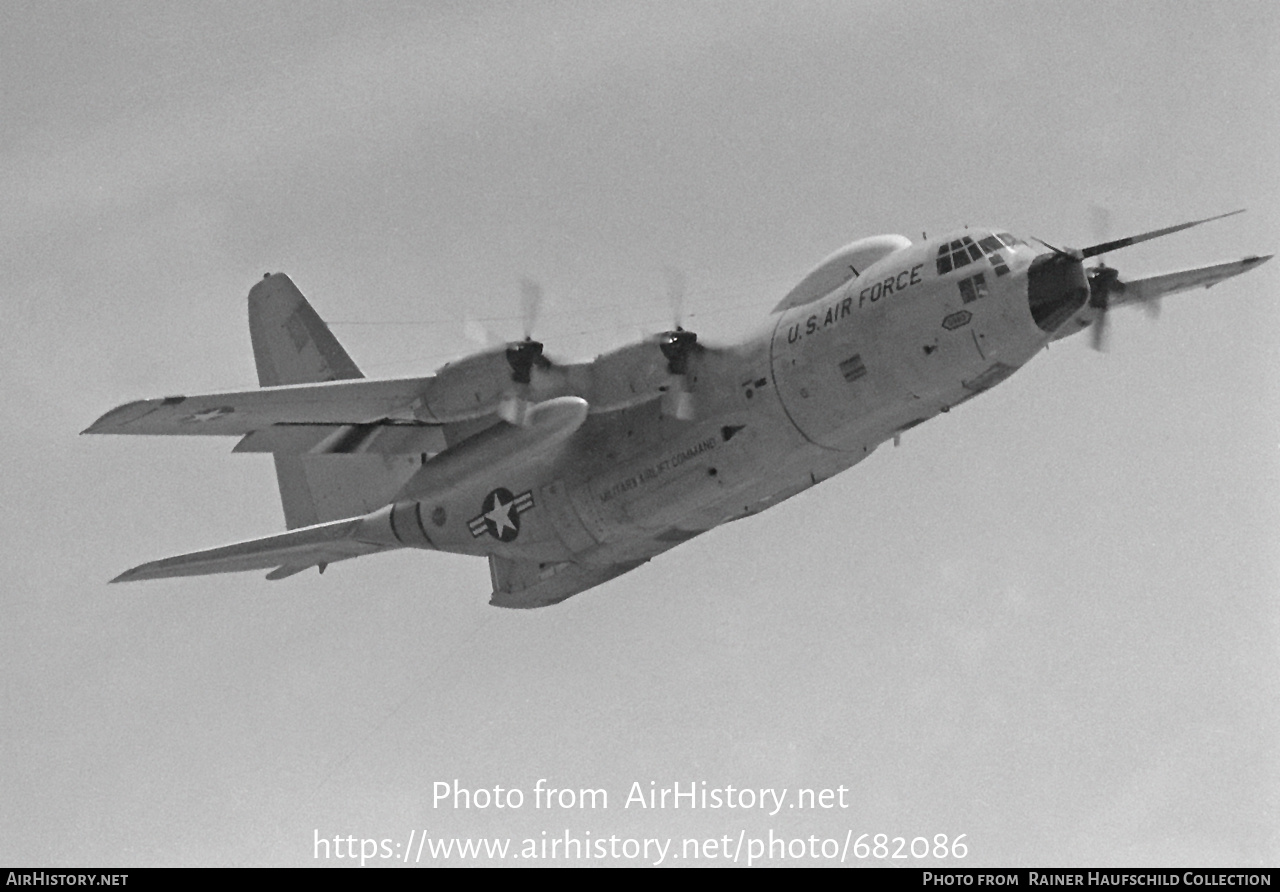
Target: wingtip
point(133, 574)
point(98, 425)
point(122, 415)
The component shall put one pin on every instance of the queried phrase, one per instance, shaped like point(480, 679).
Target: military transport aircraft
point(567, 475)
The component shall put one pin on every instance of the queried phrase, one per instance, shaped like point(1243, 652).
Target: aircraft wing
point(359, 415)
point(288, 553)
point(1142, 290)
point(361, 401)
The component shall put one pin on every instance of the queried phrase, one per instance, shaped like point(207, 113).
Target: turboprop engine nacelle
point(481, 383)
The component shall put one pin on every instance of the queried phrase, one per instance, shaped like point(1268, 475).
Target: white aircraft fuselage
point(799, 400)
point(565, 476)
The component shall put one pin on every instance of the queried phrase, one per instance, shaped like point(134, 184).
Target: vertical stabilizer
point(292, 345)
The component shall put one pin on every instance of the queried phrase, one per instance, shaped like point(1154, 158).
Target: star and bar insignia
point(500, 515)
point(206, 415)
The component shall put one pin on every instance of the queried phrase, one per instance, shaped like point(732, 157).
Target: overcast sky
point(1048, 620)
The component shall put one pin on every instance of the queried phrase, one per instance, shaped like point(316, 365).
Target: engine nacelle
point(478, 384)
point(485, 383)
point(628, 376)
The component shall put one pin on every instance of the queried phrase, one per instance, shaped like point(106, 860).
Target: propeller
point(530, 305)
point(1105, 282)
point(677, 285)
point(524, 356)
point(678, 345)
point(1104, 247)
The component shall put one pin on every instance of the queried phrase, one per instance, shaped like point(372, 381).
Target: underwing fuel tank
point(501, 450)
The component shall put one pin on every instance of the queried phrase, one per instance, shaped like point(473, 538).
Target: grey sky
point(1048, 620)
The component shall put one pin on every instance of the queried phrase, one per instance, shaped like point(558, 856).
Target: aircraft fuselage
point(568, 475)
point(806, 397)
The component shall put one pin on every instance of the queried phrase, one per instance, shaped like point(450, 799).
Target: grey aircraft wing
point(1137, 291)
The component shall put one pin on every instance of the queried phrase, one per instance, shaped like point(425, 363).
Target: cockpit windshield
point(963, 251)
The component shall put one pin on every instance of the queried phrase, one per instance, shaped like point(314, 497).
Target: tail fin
point(292, 345)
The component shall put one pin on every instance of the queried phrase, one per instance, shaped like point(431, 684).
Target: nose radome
point(1057, 287)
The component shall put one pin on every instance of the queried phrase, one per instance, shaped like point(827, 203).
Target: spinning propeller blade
point(524, 356)
point(1104, 247)
point(678, 345)
point(677, 285)
point(530, 305)
point(1105, 281)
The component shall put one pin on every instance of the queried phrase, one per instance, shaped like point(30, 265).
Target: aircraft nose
point(1057, 287)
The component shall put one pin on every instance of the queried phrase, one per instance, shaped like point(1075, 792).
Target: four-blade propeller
point(524, 357)
point(1104, 281)
point(678, 347)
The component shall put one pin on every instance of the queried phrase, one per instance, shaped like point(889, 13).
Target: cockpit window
point(998, 264)
point(964, 251)
point(957, 254)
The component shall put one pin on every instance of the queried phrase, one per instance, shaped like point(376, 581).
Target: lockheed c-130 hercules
point(567, 475)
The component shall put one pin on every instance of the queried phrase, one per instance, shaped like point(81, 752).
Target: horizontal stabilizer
point(1142, 290)
point(291, 552)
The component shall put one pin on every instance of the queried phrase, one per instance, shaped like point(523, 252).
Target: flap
point(345, 439)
